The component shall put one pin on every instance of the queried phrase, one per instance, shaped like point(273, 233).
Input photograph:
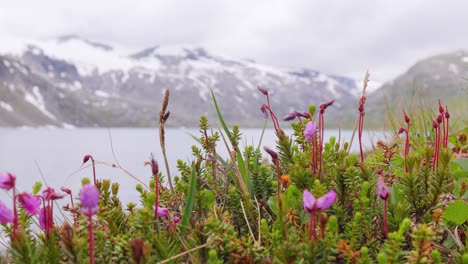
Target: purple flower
point(89, 197)
point(176, 219)
point(309, 131)
point(324, 202)
point(7, 181)
point(401, 130)
point(382, 190)
point(31, 203)
point(308, 201)
point(162, 211)
point(6, 215)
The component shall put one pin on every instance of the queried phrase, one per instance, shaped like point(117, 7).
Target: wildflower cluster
point(302, 201)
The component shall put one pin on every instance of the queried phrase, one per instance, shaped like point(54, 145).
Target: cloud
point(341, 37)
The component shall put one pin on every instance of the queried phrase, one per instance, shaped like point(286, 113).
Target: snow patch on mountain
point(6, 106)
point(37, 100)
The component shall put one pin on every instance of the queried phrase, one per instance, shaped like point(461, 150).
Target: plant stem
point(94, 170)
point(156, 201)
point(15, 213)
point(385, 218)
point(278, 187)
point(312, 234)
point(91, 237)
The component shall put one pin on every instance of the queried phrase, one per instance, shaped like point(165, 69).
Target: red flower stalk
point(69, 192)
point(46, 214)
point(85, 159)
point(446, 134)
point(407, 145)
point(155, 171)
point(436, 126)
point(441, 115)
point(383, 193)
point(266, 107)
point(362, 101)
point(275, 160)
point(322, 130)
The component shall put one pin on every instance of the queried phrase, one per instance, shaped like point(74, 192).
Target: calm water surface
point(54, 156)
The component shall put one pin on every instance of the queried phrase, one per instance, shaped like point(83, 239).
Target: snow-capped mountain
point(73, 81)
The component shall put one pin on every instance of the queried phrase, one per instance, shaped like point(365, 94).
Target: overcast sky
point(340, 37)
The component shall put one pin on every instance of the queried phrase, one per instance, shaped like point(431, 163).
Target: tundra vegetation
point(301, 201)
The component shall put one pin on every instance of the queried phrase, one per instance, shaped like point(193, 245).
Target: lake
point(56, 155)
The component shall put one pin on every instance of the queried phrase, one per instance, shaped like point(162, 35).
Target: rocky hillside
point(443, 77)
point(76, 82)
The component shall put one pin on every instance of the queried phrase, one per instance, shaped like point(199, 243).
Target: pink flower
point(162, 211)
point(326, 201)
point(382, 190)
point(309, 131)
point(7, 181)
point(176, 219)
point(31, 203)
point(89, 197)
point(308, 201)
point(321, 204)
point(6, 215)
point(50, 194)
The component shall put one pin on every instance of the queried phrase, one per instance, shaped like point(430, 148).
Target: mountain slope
point(443, 77)
point(122, 89)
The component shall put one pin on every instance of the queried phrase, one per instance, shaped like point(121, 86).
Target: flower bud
point(273, 154)
point(263, 90)
point(86, 158)
point(303, 114)
point(407, 119)
point(382, 190)
point(7, 181)
point(154, 165)
point(441, 108)
point(440, 118)
point(290, 117)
